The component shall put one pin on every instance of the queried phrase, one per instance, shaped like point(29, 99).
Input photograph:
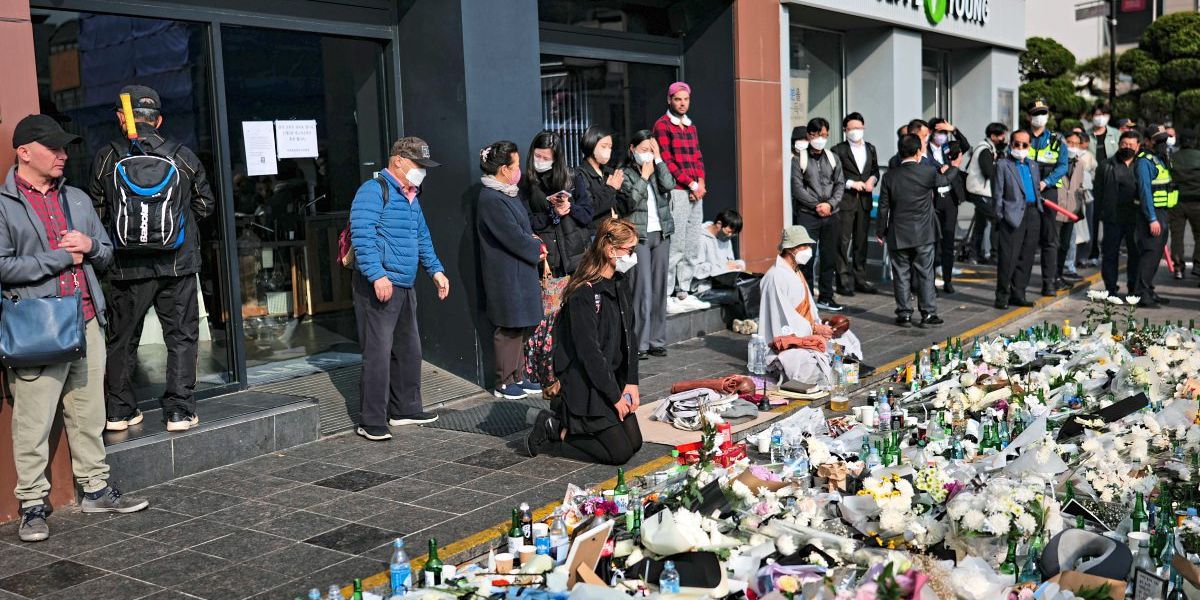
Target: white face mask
point(541, 166)
point(415, 176)
point(800, 145)
point(1171, 141)
point(1074, 152)
point(1019, 154)
point(1100, 120)
point(803, 255)
point(819, 143)
point(854, 135)
point(625, 263)
point(603, 154)
point(1039, 121)
point(644, 157)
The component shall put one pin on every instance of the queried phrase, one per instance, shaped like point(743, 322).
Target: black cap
point(1155, 131)
point(141, 97)
point(1039, 107)
point(43, 129)
point(414, 149)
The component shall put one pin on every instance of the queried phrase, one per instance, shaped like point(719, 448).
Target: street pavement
point(326, 512)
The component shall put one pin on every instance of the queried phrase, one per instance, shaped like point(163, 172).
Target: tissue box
point(1075, 581)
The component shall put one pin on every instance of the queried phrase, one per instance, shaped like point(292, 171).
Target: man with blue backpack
point(152, 192)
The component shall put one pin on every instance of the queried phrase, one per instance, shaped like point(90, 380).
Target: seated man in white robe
point(788, 310)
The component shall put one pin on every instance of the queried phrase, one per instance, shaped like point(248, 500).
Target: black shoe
point(932, 320)
point(865, 370)
point(420, 418)
point(905, 322)
point(181, 420)
point(1061, 284)
point(1001, 305)
point(844, 291)
point(1071, 277)
point(866, 288)
point(1020, 302)
point(657, 351)
point(1048, 293)
point(642, 355)
point(1148, 303)
point(831, 306)
point(1160, 299)
point(123, 423)
point(375, 434)
point(540, 433)
point(948, 288)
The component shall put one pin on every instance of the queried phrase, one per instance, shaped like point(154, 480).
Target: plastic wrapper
point(974, 579)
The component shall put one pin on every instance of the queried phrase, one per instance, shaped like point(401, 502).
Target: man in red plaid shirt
point(679, 145)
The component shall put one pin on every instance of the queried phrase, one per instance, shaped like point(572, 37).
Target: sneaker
point(642, 355)
point(421, 418)
point(110, 499)
point(948, 288)
point(831, 306)
point(375, 434)
point(543, 423)
point(657, 351)
point(531, 388)
point(510, 391)
point(694, 303)
point(1179, 274)
point(33, 526)
point(182, 420)
point(904, 322)
point(1071, 277)
point(675, 306)
point(932, 320)
point(123, 423)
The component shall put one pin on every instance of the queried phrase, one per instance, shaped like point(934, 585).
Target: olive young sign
point(967, 11)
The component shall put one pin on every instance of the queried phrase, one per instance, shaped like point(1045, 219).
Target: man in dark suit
point(919, 128)
point(908, 223)
point(1019, 210)
point(860, 169)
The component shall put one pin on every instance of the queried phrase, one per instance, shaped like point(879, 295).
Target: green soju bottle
point(621, 493)
point(1010, 566)
point(1139, 518)
point(358, 593)
point(433, 566)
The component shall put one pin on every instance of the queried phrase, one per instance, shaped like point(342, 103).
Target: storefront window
point(935, 86)
point(816, 78)
point(83, 61)
point(623, 97)
point(321, 99)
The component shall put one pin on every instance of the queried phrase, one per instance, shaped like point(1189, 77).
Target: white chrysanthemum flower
point(1131, 300)
point(1115, 300)
point(974, 520)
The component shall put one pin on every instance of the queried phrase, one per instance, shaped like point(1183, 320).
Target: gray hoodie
point(28, 267)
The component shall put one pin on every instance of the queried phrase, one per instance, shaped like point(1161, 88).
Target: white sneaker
point(675, 307)
point(694, 303)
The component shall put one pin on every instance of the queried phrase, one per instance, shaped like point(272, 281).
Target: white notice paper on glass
point(296, 139)
point(259, 138)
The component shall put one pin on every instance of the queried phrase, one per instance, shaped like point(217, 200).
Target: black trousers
point(1184, 214)
point(854, 215)
point(1017, 247)
point(1063, 232)
point(1048, 243)
point(947, 217)
point(1150, 252)
point(984, 216)
point(174, 300)
point(1116, 234)
point(391, 352)
point(827, 232)
point(612, 446)
point(912, 270)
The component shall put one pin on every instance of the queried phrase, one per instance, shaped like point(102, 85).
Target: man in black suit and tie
point(860, 169)
point(908, 222)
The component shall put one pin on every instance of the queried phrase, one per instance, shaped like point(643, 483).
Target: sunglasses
point(1020, 145)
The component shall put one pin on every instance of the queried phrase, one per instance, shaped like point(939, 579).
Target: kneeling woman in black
point(595, 355)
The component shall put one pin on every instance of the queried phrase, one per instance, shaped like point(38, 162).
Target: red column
point(18, 98)
point(759, 119)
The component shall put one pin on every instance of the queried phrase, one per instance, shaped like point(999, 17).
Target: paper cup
point(504, 563)
point(527, 552)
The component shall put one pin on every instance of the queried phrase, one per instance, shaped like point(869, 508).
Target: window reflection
point(816, 78)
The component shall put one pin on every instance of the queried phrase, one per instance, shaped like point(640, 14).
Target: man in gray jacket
point(817, 189)
point(51, 243)
point(1018, 208)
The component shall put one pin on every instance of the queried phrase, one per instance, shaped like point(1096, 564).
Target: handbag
point(35, 332)
point(552, 290)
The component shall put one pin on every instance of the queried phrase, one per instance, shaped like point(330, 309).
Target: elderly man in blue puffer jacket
point(389, 237)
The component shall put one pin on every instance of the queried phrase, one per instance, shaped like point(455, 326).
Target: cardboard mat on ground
point(657, 432)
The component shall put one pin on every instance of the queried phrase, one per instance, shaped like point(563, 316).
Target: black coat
point(595, 355)
point(1121, 201)
point(906, 205)
point(566, 237)
point(850, 172)
point(508, 255)
point(604, 198)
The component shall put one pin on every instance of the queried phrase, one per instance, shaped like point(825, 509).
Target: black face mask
point(1125, 154)
point(722, 236)
point(1001, 146)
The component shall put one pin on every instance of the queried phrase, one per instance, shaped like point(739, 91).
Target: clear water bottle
point(839, 397)
point(335, 593)
point(314, 594)
point(885, 414)
point(756, 358)
point(399, 569)
point(560, 540)
point(668, 582)
point(776, 444)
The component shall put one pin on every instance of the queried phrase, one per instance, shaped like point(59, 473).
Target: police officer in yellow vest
point(1049, 151)
point(1157, 194)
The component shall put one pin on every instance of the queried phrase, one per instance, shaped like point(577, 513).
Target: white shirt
point(859, 151)
point(652, 222)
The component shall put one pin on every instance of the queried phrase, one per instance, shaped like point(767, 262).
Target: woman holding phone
point(560, 208)
point(595, 356)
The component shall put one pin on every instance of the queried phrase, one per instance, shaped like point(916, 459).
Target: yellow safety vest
point(1047, 158)
point(1165, 193)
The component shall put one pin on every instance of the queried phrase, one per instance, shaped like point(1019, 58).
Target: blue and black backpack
point(149, 205)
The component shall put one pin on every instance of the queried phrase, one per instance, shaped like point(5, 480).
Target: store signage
point(936, 11)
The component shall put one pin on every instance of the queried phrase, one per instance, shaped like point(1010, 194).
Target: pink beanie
point(677, 87)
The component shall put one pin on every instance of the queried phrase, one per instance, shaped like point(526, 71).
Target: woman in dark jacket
point(560, 209)
point(509, 254)
point(1118, 210)
point(645, 199)
point(595, 356)
point(602, 181)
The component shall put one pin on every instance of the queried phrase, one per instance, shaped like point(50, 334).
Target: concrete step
point(685, 326)
point(232, 428)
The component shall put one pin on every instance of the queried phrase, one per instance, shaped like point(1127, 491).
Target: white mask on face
point(803, 255)
point(819, 143)
point(800, 145)
point(625, 263)
point(644, 157)
point(1100, 120)
point(415, 176)
point(1171, 141)
point(1019, 154)
point(854, 135)
point(603, 154)
point(1039, 121)
point(541, 166)
point(1074, 152)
